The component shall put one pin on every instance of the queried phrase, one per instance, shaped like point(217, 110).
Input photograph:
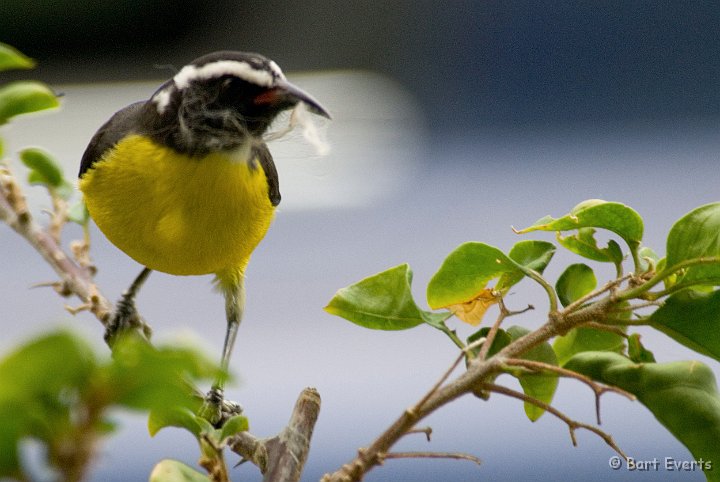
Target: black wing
point(123, 122)
point(267, 164)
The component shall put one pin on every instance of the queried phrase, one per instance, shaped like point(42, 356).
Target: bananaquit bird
point(183, 182)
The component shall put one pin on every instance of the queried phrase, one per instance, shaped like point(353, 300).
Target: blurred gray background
point(452, 122)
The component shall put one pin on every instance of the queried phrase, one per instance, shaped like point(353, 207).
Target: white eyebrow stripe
point(219, 68)
point(162, 99)
point(276, 69)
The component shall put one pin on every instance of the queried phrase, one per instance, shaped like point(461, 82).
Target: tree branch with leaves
point(588, 326)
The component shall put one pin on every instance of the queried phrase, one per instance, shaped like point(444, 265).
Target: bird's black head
point(221, 101)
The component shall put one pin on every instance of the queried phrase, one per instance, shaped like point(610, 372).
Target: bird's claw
point(125, 318)
point(216, 410)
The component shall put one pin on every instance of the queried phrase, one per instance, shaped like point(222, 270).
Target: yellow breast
point(175, 213)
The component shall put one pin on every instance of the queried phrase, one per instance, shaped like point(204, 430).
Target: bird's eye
point(232, 87)
point(228, 89)
point(226, 84)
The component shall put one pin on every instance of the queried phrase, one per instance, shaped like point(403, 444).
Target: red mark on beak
point(268, 97)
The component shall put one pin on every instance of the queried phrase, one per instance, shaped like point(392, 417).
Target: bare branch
point(432, 455)
point(504, 313)
point(288, 450)
point(597, 388)
point(251, 449)
point(573, 425)
point(490, 338)
point(441, 394)
point(74, 278)
point(518, 312)
point(647, 304)
point(426, 430)
point(58, 216)
point(609, 286)
point(419, 405)
point(282, 457)
point(600, 326)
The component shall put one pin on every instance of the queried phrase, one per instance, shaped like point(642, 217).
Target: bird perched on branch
point(183, 183)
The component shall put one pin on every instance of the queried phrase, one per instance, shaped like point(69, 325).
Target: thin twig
point(520, 312)
point(638, 306)
point(58, 216)
point(213, 464)
point(665, 273)
point(602, 327)
point(609, 286)
point(573, 425)
point(426, 430)
point(490, 338)
point(552, 295)
point(597, 388)
point(418, 406)
point(475, 344)
point(639, 321)
point(74, 278)
point(432, 455)
point(504, 313)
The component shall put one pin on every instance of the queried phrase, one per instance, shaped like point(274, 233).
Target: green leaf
point(65, 190)
point(11, 431)
point(465, 272)
point(145, 377)
point(382, 302)
point(106, 426)
point(174, 417)
point(596, 213)
point(11, 58)
point(575, 282)
point(23, 97)
point(502, 339)
point(40, 383)
point(579, 340)
point(682, 395)
point(78, 213)
point(534, 255)
point(33, 370)
point(233, 426)
point(696, 235)
point(173, 471)
point(537, 385)
point(44, 169)
point(693, 319)
point(437, 320)
point(583, 243)
point(637, 352)
point(648, 257)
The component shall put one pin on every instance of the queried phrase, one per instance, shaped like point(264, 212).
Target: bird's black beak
point(285, 93)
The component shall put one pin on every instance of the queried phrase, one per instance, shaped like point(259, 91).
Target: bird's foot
point(216, 410)
point(125, 318)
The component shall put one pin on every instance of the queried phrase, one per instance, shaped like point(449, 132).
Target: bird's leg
point(125, 316)
point(216, 409)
